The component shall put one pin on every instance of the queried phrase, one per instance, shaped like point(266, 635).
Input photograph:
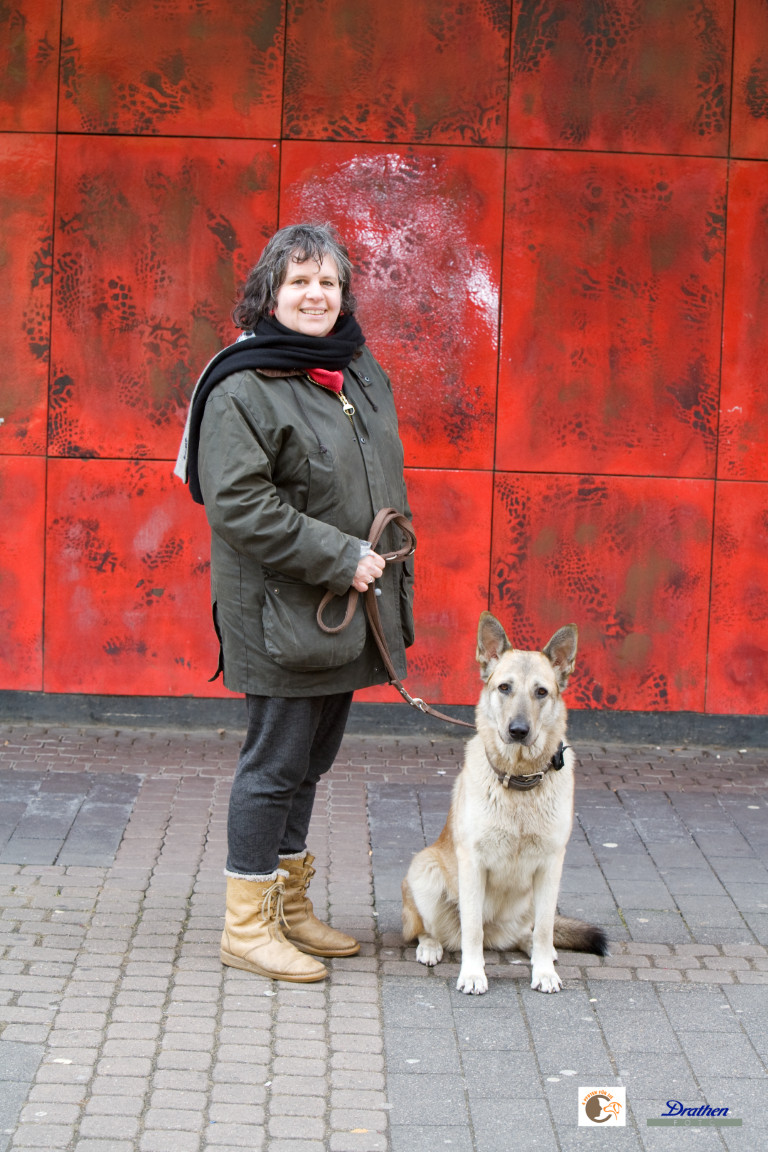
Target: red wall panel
point(22, 499)
point(424, 228)
point(152, 239)
point(629, 75)
point(29, 58)
point(598, 153)
point(611, 314)
point(738, 644)
point(180, 67)
point(452, 520)
point(26, 226)
point(127, 606)
point(749, 128)
point(628, 561)
point(743, 448)
point(369, 71)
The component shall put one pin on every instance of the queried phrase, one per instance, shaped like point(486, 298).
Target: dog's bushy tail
point(578, 936)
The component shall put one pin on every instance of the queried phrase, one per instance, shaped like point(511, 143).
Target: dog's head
point(522, 689)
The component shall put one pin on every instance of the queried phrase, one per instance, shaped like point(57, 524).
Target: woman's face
point(309, 299)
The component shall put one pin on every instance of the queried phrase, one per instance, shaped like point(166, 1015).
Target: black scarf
point(274, 346)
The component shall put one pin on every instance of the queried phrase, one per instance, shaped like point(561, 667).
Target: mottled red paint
point(452, 521)
point(127, 603)
point(153, 238)
point(738, 629)
point(22, 499)
point(612, 413)
point(611, 322)
point(424, 230)
point(625, 559)
point(743, 448)
point(627, 75)
point(749, 122)
point(27, 165)
point(436, 72)
point(29, 58)
point(172, 67)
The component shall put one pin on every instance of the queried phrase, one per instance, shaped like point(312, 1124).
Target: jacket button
point(362, 439)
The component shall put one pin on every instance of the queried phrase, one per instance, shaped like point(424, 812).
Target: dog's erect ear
point(561, 652)
point(492, 643)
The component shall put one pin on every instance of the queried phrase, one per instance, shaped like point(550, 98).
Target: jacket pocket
point(292, 636)
point(406, 603)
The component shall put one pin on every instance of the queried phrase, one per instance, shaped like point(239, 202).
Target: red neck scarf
point(326, 379)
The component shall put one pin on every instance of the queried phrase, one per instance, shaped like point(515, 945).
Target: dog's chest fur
point(504, 825)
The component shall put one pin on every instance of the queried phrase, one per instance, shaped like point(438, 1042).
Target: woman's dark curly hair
point(298, 242)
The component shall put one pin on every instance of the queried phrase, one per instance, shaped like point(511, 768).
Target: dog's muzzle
point(519, 732)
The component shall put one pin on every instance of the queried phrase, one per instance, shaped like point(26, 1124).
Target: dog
point(493, 875)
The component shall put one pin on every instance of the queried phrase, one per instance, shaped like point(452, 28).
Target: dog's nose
point(518, 731)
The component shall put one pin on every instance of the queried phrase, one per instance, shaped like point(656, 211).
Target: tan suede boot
point(302, 926)
point(253, 937)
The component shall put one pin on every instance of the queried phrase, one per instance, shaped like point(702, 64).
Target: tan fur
point(492, 876)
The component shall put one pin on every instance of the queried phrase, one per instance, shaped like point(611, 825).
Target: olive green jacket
point(291, 484)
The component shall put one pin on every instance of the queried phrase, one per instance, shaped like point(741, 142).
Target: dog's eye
point(505, 688)
point(542, 692)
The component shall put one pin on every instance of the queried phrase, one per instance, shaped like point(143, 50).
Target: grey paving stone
point(13, 1095)
point(665, 1076)
point(421, 1051)
point(744, 1097)
point(517, 1076)
point(732, 1051)
point(431, 1138)
point(494, 1120)
point(20, 850)
point(19, 1062)
point(418, 1100)
point(653, 924)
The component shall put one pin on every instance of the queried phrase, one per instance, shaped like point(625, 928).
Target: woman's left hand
point(369, 569)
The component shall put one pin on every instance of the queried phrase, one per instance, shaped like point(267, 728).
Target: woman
point(292, 446)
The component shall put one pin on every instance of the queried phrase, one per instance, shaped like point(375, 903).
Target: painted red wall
point(558, 212)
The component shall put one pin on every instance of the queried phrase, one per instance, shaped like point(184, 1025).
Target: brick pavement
point(122, 1032)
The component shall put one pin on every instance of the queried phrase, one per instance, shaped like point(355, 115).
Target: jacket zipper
point(348, 408)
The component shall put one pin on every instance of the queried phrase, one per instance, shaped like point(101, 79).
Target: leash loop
point(384, 517)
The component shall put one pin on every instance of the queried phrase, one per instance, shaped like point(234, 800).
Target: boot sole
point(328, 954)
point(248, 966)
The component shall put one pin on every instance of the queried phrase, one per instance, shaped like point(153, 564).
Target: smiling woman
point(292, 445)
point(309, 299)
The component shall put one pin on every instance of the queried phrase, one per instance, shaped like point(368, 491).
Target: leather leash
point(382, 520)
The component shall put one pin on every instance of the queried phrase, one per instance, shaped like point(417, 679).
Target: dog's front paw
point(546, 980)
point(472, 983)
point(429, 952)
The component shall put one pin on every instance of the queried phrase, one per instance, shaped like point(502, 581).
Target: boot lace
point(272, 904)
point(306, 877)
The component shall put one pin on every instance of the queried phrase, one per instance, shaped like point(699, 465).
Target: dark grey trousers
point(289, 744)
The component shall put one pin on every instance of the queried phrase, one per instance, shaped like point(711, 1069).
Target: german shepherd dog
point(493, 874)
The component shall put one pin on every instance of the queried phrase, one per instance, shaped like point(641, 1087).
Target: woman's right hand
point(369, 569)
